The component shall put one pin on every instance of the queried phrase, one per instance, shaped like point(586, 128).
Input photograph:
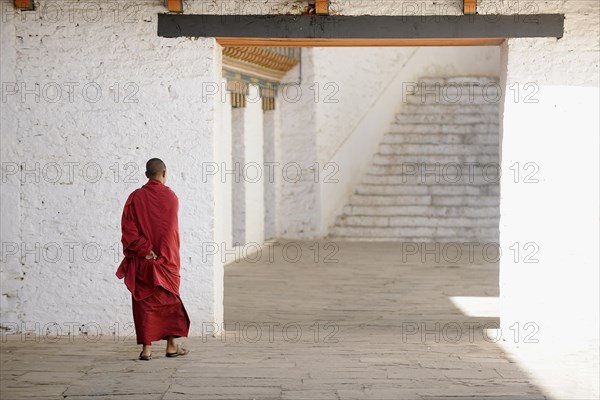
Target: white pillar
point(238, 211)
point(223, 194)
point(299, 210)
point(272, 170)
point(224, 165)
point(253, 170)
point(248, 193)
point(549, 196)
point(11, 273)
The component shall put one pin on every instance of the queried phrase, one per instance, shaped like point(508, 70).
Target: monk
point(150, 237)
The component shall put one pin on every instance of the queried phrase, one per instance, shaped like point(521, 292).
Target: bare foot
point(146, 350)
point(171, 345)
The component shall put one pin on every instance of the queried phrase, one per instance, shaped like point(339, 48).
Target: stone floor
point(349, 321)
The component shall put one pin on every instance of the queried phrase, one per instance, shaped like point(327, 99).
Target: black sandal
point(180, 352)
point(145, 358)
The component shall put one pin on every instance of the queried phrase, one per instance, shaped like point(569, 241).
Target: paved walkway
point(368, 325)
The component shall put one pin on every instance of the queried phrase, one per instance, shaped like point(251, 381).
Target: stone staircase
point(435, 177)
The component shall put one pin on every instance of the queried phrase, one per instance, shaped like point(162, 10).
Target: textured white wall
point(397, 7)
point(272, 176)
point(238, 211)
point(552, 283)
point(349, 81)
point(361, 77)
point(246, 7)
point(11, 271)
point(299, 212)
point(150, 106)
point(556, 128)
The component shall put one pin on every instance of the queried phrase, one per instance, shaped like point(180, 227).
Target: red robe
point(149, 223)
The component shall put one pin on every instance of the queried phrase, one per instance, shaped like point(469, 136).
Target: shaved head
point(155, 168)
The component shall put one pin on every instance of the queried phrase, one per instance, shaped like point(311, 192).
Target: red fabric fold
point(159, 316)
point(149, 223)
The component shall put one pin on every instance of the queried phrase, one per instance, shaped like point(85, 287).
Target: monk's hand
point(151, 256)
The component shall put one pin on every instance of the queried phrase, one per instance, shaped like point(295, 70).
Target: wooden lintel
point(470, 6)
point(322, 7)
point(283, 42)
point(175, 6)
point(24, 4)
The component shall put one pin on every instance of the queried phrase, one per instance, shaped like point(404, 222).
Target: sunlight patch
point(477, 306)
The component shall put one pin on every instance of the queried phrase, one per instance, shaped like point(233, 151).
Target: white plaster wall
point(272, 175)
point(157, 112)
point(556, 217)
point(444, 62)
point(238, 127)
point(357, 90)
point(558, 131)
point(10, 206)
point(348, 80)
point(397, 7)
point(246, 7)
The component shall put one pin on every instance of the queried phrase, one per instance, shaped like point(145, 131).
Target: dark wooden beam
point(361, 27)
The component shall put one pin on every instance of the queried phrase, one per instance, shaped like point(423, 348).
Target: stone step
point(444, 170)
point(413, 87)
point(452, 91)
point(397, 160)
point(421, 211)
point(397, 128)
point(460, 80)
point(435, 176)
point(424, 200)
point(373, 200)
point(449, 149)
point(449, 118)
point(493, 200)
point(434, 190)
point(466, 82)
point(416, 221)
point(417, 239)
point(451, 96)
point(420, 109)
point(432, 175)
point(397, 233)
point(439, 138)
